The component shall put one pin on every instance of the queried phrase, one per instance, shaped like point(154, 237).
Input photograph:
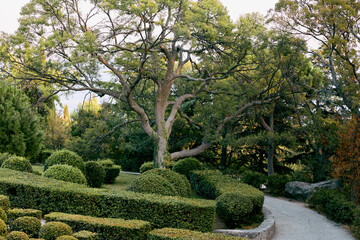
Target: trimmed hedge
point(5, 156)
point(182, 234)
point(49, 195)
point(94, 173)
point(152, 183)
point(3, 215)
point(3, 228)
point(106, 228)
point(18, 164)
point(15, 213)
point(146, 166)
point(65, 173)
point(253, 178)
point(64, 157)
point(186, 165)
point(85, 235)
point(112, 171)
point(52, 230)
point(66, 237)
point(4, 202)
point(17, 235)
point(28, 225)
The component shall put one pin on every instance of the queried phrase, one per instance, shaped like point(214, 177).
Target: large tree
point(171, 49)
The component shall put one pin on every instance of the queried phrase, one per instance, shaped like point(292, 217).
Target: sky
point(10, 12)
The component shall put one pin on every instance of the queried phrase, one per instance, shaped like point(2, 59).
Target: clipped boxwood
point(66, 237)
point(64, 157)
point(146, 166)
point(152, 183)
point(4, 156)
point(65, 173)
point(94, 173)
point(18, 164)
point(186, 165)
point(178, 181)
point(3, 215)
point(17, 235)
point(3, 228)
point(15, 213)
point(106, 228)
point(49, 195)
point(253, 178)
point(52, 230)
point(28, 225)
point(4, 202)
point(85, 235)
point(112, 171)
point(182, 234)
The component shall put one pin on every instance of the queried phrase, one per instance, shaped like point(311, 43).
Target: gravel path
point(294, 221)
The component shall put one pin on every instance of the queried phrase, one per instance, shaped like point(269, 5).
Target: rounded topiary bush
point(18, 164)
point(65, 173)
point(53, 230)
point(152, 183)
point(64, 157)
point(146, 166)
point(3, 228)
point(4, 202)
point(28, 225)
point(178, 181)
point(94, 173)
point(16, 235)
point(85, 235)
point(186, 165)
point(3, 215)
point(4, 156)
point(66, 237)
point(233, 207)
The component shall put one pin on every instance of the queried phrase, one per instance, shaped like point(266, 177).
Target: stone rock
point(303, 190)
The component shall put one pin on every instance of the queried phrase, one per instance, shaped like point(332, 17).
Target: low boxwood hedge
point(112, 171)
point(28, 225)
point(49, 195)
point(106, 228)
point(85, 235)
point(182, 234)
point(15, 213)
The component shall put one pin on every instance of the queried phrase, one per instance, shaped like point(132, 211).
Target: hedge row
point(182, 234)
point(27, 190)
point(106, 228)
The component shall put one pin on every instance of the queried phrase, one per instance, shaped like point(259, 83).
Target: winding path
point(294, 221)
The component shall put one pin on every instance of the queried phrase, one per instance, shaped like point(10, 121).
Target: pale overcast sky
point(10, 10)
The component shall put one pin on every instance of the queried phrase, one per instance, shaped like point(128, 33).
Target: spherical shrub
point(233, 207)
point(85, 235)
point(94, 173)
point(146, 167)
point(111, 173)
point(4, 202)
point(64, 157)
point(3, 228)
point(106, 162)
point(252, 178)
point(152, 183)
point(28, 225)
point(16, 235)
point(186, 165)
point(66, 237)
point(3, 215)
point(65, 173)
point(52, 230)
point(4, 156)
point(18, 164)
point(178, 181)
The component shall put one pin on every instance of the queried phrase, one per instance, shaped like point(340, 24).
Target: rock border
point(265, 231)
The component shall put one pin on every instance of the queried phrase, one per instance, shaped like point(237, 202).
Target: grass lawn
point(121, 182)
point(39, 168)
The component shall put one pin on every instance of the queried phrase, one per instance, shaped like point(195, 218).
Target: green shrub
point(111, 173)
point(186, 165)
point(3, 215)
point(17, 164)
point(94, 173)
point(65, 173)
point(355, 226)
point(146, 166)
point(252, 178)
point(15, 213)
point(66, 237)
point(107, 228)
point(182, 234)
point(64, 157)
point(85, 235)
point(106, 162)
point(28, 225)
point(276, 183)
point(49, 195)
point(5, 156)
point(178, 181)
point(52, 230)
point(42, 156)
point(16, 235)
point(3, 228)
point(4, 202)
point(234, 208)
point(152, 183)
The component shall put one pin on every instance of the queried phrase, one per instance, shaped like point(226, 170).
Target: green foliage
point(178, 181)
point(4, 156)
point(4, 202)
point(28, 225)
point(106, 162)
point(253, 178)
point(94, 173)
point(66, 237)
point(234, 208)
point(146, 166)
point(64, 157)
point(50, 195)
point(85, 235)
point(185, 166)
point(17, 164)
point(20, 130)
point(182, 234)
point(152, 183)
point(42, 156)
point(355, 226)
point(17, 235)
point(52, 230)
point(18, 212)
point(111, 171)
point(3, 215)
point(276, 183)
point(65, 173)
point(3, 228)
point(107, 228)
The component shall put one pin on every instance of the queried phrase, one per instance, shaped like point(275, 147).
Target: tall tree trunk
point(162, 156)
